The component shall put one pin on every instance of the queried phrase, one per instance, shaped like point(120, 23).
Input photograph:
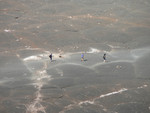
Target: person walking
point(104, 57)
point(82, 57)
point(51, 57)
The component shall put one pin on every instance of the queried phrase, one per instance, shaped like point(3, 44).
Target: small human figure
point(104, 57)
point(82, 57)
point(51, 57)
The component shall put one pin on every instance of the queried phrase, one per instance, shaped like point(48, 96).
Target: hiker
point(82, 57)
point(51, 57)
point(104, 57)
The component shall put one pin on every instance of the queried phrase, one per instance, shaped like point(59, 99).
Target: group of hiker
point(82, 57)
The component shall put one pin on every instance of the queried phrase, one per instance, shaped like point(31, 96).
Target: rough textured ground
point(32, 29)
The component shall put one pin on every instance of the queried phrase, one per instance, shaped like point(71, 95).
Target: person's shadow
point(85, 60)
point(53, 60)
